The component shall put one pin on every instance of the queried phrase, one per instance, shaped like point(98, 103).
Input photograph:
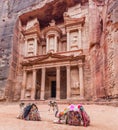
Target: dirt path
point(102, 118)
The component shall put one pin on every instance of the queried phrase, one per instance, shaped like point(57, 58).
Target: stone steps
point(67, 101)
point(74, 101)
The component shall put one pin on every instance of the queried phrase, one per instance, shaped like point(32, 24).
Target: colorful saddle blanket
point(73, 118)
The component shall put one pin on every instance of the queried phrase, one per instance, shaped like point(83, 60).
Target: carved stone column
point(68, 82)
point(47, 44)
point(68, 41)
point(42, 84)
point(81, 78)
point(58, 83)
point(80, 39)
point(33, 85)
point(35, 46)
point(23, 85)
point(55, 46)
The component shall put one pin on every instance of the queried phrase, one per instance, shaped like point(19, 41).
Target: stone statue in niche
point(75, 85)
point(74, 40)
point(30, 47)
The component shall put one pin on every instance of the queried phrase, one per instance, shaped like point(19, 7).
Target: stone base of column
point(33, 99)
point(27, 99)
point(42, 99)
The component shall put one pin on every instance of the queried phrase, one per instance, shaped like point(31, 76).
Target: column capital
point(68, 66)
point(57, 67)
point(68, 31)
point(24, 70)
point(80, 63)
point(34, 69)
point(43, 68)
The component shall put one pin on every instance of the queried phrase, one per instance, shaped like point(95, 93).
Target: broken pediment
point(73, 21)
point(32, 23)
point(32, 30)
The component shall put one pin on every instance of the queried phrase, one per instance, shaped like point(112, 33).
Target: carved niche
point(30, 47)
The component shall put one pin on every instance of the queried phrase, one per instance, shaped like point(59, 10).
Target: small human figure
point(54, 106)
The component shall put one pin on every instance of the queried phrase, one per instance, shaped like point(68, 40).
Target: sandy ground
point(102, 118)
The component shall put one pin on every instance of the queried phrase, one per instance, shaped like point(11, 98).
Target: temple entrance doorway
point(53, 89)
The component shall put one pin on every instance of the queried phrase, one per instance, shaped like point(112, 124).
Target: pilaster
point(68, 41)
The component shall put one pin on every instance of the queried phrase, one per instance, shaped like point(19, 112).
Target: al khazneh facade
point(62, 49)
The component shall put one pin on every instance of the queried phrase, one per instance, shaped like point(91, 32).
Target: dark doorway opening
point(53, 89)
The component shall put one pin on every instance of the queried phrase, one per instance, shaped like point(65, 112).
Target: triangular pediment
point(51, 58)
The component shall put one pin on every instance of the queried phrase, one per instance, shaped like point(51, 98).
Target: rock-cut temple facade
point(58, 49)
